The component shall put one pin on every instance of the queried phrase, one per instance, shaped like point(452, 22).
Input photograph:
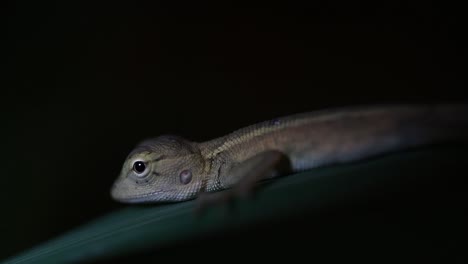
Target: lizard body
point(170, 168)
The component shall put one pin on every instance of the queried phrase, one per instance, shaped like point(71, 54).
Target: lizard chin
point(157, 196)
point(150, 197)
point(124, 193)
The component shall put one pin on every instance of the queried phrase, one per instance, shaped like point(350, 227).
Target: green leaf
point(136, 229)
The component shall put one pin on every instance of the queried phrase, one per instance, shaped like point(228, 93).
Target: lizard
point(170, 168)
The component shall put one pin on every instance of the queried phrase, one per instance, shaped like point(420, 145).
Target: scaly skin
point(176, 169)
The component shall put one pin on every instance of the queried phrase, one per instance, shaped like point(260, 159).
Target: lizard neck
point(214, 164)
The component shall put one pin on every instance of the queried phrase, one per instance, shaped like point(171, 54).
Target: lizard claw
point(206, 200)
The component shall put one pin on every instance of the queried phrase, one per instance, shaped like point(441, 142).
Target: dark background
point(83, 83)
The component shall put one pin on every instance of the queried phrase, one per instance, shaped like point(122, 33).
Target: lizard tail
point(399, 128)
point(440, 123)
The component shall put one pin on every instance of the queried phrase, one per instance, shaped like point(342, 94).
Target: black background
point(83, 83)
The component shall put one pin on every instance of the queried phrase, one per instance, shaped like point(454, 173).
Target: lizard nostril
point(185, 176)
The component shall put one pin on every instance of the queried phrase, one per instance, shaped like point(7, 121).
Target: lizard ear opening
point(185, 176)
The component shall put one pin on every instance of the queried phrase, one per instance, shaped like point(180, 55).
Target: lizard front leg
point(242, 177)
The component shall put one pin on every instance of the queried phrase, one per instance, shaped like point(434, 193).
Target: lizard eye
point(139, 167)
point(185, 176)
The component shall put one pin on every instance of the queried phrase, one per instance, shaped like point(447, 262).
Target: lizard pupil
point(139, 167)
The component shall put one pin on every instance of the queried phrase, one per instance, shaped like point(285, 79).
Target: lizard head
point(165, 168)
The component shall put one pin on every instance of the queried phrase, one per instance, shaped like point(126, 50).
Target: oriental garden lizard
point(172, 169)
